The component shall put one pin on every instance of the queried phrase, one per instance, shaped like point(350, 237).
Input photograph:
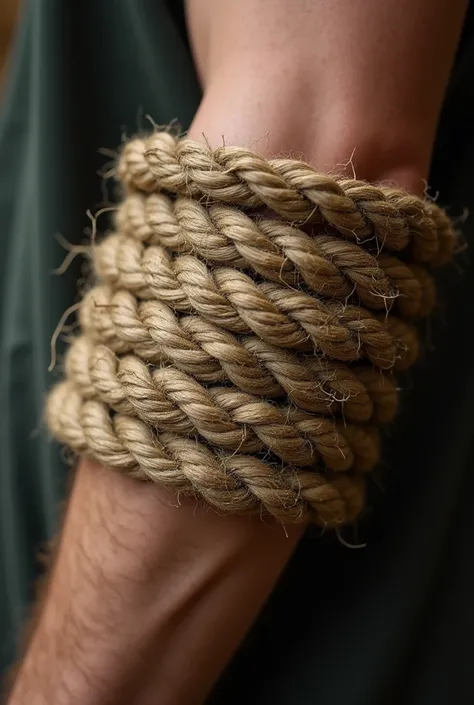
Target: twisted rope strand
point(230, 299)
point(358, 210)
point(442, 225)
point(229, 483)
point(210, 354)
point(220, 344)
point(116, 319)
point(220, 235)
point(170, 400)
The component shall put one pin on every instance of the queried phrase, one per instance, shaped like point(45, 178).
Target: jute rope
point(226, 417)
point(228, 482)
point(211, 355)
point(232, 300)
point(292, 189)
point(240, 358)
point(327, 265)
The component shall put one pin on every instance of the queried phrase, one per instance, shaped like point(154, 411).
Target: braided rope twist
point(236, 483)
point(226, 417)
point(291, 188)
point(212, 355)
point(329, 266)
point(241, 359)
point(232, 300)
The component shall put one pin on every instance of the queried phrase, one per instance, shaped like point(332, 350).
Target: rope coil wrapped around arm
point(245, 360)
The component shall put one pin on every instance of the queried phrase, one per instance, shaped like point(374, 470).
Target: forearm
point(148, 600)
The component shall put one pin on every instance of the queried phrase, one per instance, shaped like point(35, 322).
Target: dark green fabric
point(385, 625)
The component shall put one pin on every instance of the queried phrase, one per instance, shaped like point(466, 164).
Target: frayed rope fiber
point(242, 358)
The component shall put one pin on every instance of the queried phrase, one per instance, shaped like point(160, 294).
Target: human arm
point(331, 81)
point(148, 598)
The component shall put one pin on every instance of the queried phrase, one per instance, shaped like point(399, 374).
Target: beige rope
point(328, 265)
point(209, 354)
point(226, 417)
point(291, 188)
point(232, 300)
point(240, 359)
point(231, 483)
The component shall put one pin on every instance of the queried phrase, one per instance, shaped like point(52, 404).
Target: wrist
point(337, 137)
point(371, 152)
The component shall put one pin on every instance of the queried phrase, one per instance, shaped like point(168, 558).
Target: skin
point(148, 600)
point(296, 78)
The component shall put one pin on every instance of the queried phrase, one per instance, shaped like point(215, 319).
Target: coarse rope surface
point(209, 354)
point(226, 417)
point(327, 265)
point(243, 359)
point(228, 482)
point(360, 211)
point(230, 299)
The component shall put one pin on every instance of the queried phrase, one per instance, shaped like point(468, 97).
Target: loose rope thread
point(241, 359)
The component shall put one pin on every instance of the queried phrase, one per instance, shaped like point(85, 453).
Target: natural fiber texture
point(229, 482)
point(327, 265)
point(238, 358)
point(292, 189)
point(226, 417)
point(231, 300)
point(209, 354)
